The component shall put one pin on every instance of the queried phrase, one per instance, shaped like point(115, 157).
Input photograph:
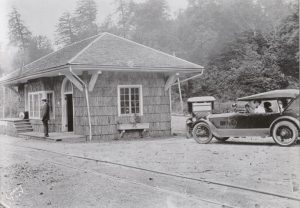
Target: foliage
point(85, 18)
point(288, 44)
point(245, 66)
point(124, 11)
point(19, 34)
point(39, 45)
point(77, 26)
point(65, 30)
point(30, 47)
point(246, 46)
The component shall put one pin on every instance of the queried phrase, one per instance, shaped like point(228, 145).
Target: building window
point(35, 104)
point(130, 100)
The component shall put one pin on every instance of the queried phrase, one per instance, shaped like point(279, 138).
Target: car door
point(256, 120)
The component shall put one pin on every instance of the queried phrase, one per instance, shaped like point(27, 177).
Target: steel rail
point(166, 174)
point(190, 197)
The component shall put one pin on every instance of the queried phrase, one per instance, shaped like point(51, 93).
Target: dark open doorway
point(69, 104)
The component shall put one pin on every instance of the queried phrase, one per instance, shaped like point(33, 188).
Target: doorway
point(67, 106)
point(69, 110)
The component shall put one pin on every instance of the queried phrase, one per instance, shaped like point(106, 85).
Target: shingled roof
point(108, 51)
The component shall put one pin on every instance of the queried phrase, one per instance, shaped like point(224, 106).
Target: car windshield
point(295, 105)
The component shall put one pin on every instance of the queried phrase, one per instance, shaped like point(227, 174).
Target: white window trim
point(44, 93)
point(141, 99)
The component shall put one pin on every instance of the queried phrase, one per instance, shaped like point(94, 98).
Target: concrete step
point(23, 126)
point(20, 121)
point(24, 130)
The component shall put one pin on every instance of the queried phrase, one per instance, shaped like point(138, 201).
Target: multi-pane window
point(35, 104)
point(130, 98)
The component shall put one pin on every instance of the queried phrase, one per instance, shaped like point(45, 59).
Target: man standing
point(45, 115)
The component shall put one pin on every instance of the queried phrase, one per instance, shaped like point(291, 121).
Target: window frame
point(140, 99)
point(40, 95)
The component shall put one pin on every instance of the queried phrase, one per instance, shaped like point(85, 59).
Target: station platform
point(54, 136)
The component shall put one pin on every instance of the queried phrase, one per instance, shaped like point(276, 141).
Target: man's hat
point(44, 99)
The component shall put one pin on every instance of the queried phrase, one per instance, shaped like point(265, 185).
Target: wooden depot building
point(103, 87)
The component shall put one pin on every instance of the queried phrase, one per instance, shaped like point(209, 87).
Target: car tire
point(221, 139)
point(202, 133)
point(285, 133)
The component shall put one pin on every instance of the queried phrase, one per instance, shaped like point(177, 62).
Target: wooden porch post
point(3, 107)
point(180, 95)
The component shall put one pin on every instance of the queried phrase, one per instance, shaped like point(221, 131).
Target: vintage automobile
point(198, 107)
point(281, 121)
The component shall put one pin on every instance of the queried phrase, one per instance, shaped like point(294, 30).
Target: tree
point(38, 47)
point(124, 11)
point(65, 30)
point(30, 47)
point(85, 18)
point(19, 34)
point(288, 44)
point(244, 66)
point(152, 26)
point(77, 26)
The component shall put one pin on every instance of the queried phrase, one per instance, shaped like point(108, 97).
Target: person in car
point(267, 106)
point(248, 108)
point(258, 107)
point(282, 104)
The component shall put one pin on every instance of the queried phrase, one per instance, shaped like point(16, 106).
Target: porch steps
point(22, 126)
point(54, 137)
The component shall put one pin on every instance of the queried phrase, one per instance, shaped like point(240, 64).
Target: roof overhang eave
point(47, 72)
point(88, 67)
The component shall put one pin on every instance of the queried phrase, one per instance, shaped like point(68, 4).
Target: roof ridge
point(158, 51)
point(59, 50)
point(86, 47)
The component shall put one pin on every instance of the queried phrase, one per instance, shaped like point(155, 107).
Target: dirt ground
point(170, 172)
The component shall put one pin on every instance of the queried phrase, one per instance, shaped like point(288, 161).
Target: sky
point(41, 16)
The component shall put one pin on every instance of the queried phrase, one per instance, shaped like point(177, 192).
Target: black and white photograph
point(149, 104)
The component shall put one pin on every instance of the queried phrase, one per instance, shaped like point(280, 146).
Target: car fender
point(285, 118)
point(213, 129)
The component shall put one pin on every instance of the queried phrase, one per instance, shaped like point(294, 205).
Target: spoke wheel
point(202, 133)
point(221, 139)
point(285, 133)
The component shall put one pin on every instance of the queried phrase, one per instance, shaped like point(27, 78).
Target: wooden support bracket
point(93, 80)
point(14, 90)
point(73, 80)
point(172, 78)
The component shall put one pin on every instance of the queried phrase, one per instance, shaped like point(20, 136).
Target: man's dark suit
point(45, 117)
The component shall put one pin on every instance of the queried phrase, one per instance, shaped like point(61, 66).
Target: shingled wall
point(104, 105)
point(44, 84)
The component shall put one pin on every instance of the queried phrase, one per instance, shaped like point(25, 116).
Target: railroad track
point(190, 197)
point(153, 172)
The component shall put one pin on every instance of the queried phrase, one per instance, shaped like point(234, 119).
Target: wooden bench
point(137, 126)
